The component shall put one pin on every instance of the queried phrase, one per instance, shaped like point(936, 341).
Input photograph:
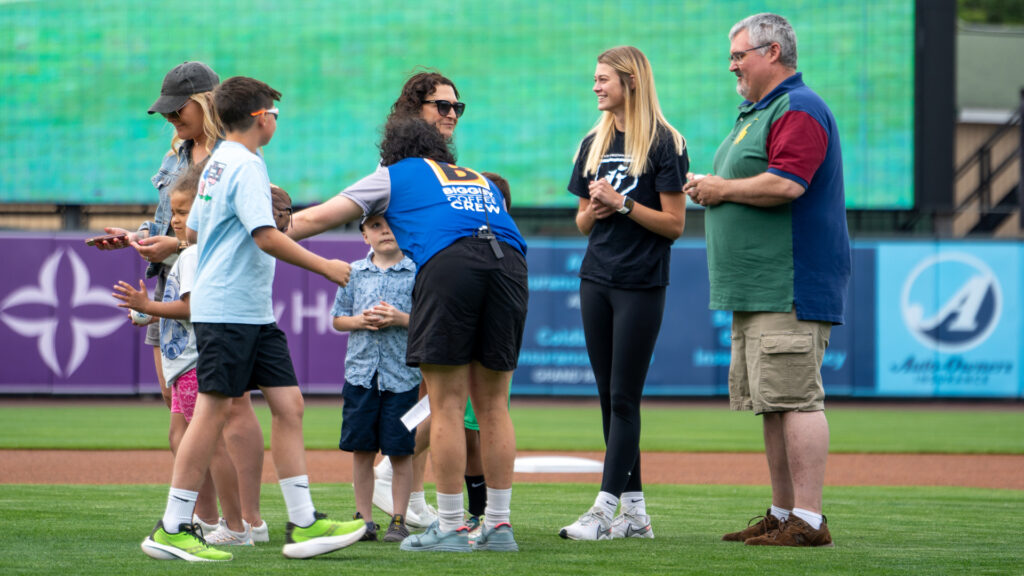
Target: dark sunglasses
point(444, 107)
point(176, 115)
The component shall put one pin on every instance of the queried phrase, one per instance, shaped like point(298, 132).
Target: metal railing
point(993, 213)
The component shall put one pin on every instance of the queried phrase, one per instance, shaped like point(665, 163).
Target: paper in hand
point(417, 414)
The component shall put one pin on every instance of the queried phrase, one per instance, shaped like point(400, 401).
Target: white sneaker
point(223, 536)
point(632, 526)
point(259, 533)
point(593, 525)
point(207, 528)
point(416, 516)
point(382, 497)
point(384, 471)
point(420, 515)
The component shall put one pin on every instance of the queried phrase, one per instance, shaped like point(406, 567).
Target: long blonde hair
point(643, 113)
point(212, 128)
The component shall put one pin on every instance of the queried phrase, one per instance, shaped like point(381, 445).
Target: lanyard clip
point(486, 233)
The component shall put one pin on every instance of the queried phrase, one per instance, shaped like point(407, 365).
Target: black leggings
point(621, 327)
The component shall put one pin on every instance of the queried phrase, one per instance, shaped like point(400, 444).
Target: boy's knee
point(285, 402)
point(214, 404)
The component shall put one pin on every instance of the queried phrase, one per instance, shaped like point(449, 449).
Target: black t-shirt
point(620, 252)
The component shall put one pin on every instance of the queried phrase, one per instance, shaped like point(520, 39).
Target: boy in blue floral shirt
point(379, 387)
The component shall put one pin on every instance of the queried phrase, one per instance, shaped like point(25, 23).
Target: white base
point(558, 465)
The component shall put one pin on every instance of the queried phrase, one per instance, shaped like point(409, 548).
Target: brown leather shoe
point(795, 532)
point(766, 524)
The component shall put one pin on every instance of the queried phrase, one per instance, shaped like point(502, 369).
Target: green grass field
point(97, 530)
point(75, 529)
point(703, 428)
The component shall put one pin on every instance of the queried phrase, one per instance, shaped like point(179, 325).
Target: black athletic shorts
point(234, 358)
point(469, 305)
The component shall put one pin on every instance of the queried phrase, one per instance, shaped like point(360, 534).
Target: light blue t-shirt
point(380, 352)
point(234, 277)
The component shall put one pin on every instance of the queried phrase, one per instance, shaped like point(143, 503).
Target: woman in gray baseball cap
point(186, 102)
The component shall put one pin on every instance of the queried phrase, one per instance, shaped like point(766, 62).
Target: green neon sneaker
point(321, 537)
point(187, 544)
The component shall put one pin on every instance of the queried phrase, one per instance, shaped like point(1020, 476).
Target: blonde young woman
point(629, 174)
point(186, 103)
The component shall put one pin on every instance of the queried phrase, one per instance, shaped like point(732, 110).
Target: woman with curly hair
point(432, 97)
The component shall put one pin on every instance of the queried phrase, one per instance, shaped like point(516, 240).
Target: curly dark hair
point(416, 90)
point(413, 137)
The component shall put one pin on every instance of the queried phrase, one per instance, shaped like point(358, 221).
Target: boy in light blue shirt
point(379, 387)
point(240, 346)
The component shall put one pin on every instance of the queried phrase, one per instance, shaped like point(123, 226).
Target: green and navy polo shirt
point(796, 254)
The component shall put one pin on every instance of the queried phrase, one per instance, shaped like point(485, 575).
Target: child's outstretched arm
point(274, 242)
point(139, 300)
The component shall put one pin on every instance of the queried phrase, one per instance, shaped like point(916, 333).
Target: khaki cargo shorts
point(776, 362)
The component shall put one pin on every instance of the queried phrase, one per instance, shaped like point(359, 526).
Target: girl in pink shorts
point(183, 395)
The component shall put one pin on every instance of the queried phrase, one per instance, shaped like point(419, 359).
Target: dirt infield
point(154, 467)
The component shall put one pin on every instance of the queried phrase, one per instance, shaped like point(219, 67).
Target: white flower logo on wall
point(45, 327)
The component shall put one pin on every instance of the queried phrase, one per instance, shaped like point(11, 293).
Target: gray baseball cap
point(184, 80)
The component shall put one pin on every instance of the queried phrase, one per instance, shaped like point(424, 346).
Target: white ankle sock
point(780, 513)
point(180, 504)
point(498, 509)
point(634, 503)
point(298, 500)
point(607, 503)
point(812, 518)
point(449, 511)
point(418, 499)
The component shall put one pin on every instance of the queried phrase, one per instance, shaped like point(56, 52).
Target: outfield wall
point(924, 320)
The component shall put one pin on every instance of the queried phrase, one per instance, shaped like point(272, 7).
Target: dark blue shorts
point(371, 420)
point(234, 358)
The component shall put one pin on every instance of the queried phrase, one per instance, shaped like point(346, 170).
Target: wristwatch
point(182, 244)
point(627, 206)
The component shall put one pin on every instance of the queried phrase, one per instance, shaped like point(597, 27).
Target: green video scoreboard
point(77, 79)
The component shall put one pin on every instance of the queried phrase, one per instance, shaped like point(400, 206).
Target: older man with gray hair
point(779, 259)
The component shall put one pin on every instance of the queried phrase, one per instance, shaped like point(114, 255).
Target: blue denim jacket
point(380, 352)
point(172, 166)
